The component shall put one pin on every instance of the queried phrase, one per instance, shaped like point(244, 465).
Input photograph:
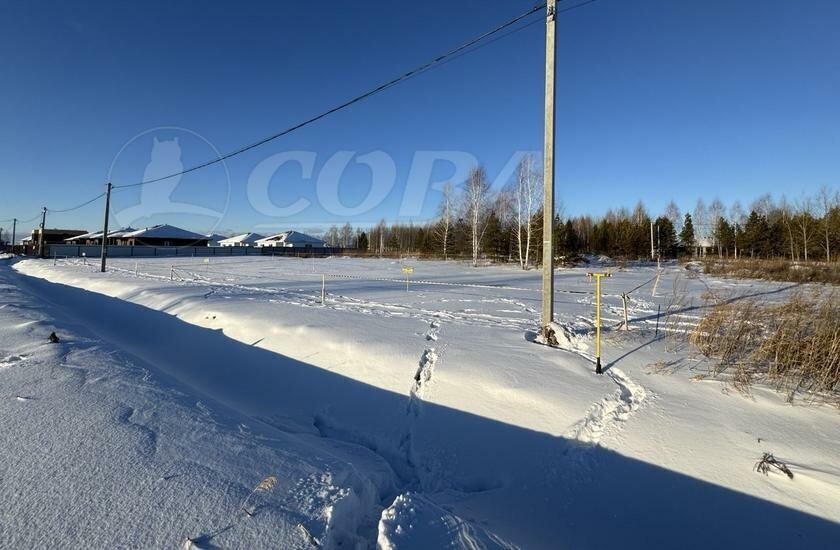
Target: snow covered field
point(418, 417)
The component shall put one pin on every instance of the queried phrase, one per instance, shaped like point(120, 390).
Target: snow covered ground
point(412, 416)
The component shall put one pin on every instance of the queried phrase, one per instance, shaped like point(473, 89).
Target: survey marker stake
point(598, 277)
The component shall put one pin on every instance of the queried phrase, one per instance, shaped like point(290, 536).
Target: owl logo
point(157, 197)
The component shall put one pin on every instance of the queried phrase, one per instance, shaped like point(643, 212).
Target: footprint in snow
point(11, 360)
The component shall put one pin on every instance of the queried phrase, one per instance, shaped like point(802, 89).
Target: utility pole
point(104, 252)
point(548, 173)
point(14, 231)
point(652, 253)
point(658, 243)
point(41, 234)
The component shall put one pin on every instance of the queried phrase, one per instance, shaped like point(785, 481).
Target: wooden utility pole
point(104, 252)
point(548, 173)
point(41, 233)
point(652, 253)
point(14, 231)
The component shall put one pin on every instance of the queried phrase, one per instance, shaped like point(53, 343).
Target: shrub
point(794, 345)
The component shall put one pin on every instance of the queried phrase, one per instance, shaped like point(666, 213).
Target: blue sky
point(656, 100)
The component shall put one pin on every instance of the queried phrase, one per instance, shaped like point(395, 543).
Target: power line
point(97, 197)
point(477, 47)
point(464, 49)
point(382, 87)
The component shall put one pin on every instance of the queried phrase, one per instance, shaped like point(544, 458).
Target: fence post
point(135, 268)
point(658, 313)
point(172, 273)
point(323, 287)
point(624, 301)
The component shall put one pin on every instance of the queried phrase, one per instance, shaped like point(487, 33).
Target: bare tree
point(526, 194)
point(827, 201)
point(787, 215)
point(332, 237)
point(738, 218)
point(672, 212)
point(475, 206)
point(346, 235)
point(716, 211)
point(380, 229)
point(805, 223)
point(446, 214)
point(701, 224)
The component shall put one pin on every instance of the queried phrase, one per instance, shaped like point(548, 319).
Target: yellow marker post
point(598, 277)
point(408, 270)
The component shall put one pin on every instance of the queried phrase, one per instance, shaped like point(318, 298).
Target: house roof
point(243, 238)
point(98, 234)
point(164, 231)
point(291, 237)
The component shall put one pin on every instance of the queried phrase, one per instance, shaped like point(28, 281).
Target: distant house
point(291, 239)
point(704, 244)
point(95, 238)
point(163, 235)
point(246, 239)
point(213, 239)
point(52, 236)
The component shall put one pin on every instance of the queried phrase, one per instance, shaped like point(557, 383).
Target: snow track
point(424, 418)
point(611, 411)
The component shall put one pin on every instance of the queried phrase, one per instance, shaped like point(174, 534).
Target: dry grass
point(774, 270)
point(794, 345)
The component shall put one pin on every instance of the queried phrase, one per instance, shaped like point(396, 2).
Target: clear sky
point(656, 100)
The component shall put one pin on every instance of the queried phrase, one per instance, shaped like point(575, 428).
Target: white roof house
point(293, 239)
point(245, 239)
point(215, 239)
point(98, 235)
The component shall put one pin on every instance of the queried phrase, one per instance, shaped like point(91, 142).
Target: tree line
point(475, 223)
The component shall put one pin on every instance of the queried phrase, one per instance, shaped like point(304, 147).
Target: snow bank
point(413, 522)
point(522, 440)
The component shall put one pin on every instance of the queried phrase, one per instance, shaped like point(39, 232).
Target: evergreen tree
point(724, 235)
point(666, 237)
point(687, 233)
point(756, 235)
point(571, 243)
point(362, 243)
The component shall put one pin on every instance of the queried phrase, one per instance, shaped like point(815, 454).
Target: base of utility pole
point(104, 252)
point(598, 369)
point(547, 336)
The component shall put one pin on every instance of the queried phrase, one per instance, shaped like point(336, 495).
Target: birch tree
point(475, 206)
point(672, 212)
point(805, 223)
point(736, 214)
point(526, 198)
point(346, 235)
point(717, 211)
point(701, 225)
point(446, 214)
point(827, 201)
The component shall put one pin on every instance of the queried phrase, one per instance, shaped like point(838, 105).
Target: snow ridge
point(413, 521)
point(610, 411)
